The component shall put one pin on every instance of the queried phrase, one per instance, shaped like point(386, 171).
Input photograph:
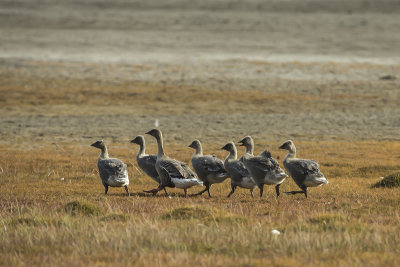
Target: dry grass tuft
point(35, 221)
point(389, 181)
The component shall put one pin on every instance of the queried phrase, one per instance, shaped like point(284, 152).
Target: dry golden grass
point(53, 210)
point(343, 223)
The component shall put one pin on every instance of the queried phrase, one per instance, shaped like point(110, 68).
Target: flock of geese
point(247, 172)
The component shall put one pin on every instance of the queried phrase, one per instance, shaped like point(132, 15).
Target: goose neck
point(198, 151)
point(160, 146)
point(104, 153)
point(142, 150)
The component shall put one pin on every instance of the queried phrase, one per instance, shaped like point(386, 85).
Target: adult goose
point(237, 171)
point(209, 169)
point(172, 173)
point(147, 163)
point(304, 172)
point(112, 171)
point(263, 168)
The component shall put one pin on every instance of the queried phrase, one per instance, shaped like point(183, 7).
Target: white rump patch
point(186, 183)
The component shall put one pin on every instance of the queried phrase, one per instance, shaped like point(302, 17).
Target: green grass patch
point(389, 181)
point(82, 208)
point(187, 213)
point(206, 215)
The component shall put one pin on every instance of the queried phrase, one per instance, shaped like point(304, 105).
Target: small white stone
point(62, 179)
point(156, 123)
point(275, 232)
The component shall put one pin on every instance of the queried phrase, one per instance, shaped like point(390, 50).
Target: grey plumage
point(147, 163)
point(304, 172)
point(172, 172)
point(263, 168)
point(112, 171)
point(236, 169)
point(209, 169)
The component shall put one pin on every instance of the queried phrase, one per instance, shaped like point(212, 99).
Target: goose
point(305, 172)
point(209, 169)
point(112, 171)
point(263, 168)
point(237, 171)
point(146, 162)
point(172, 173)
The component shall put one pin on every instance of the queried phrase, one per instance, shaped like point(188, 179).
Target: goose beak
point(282, 146)
point(93, 144)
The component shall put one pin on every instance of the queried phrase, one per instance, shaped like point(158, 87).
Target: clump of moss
point(186, 213)
point(83, 208)
point(389, 181)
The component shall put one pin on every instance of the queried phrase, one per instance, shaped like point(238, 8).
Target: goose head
point(288, 145)
point(155, 133)
point(195, 144)
point(99, 144)
point(247, 141)
point(229, 147)
point(138, 140)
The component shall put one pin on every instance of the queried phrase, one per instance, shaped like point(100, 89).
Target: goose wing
point(263, 163)
point(211, 164)
point(239, 167)
point(308, 167)
point(266, 154)
point(148, 162)
point(112, 167)
point(177, 169)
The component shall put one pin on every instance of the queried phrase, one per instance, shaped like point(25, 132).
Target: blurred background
point(215, 70)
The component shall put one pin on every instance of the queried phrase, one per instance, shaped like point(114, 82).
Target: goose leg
point(106, 189)
point(277, 190)
point(202, 191)
point(304, 190)
point(252, 193)
point(233, 190)
point(185, 190)
point(165, 190)
point(208, 190)
point(261, 186)
point(155, 191)
point(127, 190)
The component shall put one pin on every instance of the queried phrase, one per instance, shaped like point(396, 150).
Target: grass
point(392, 180)
point(47, 220)
point(53, 210)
